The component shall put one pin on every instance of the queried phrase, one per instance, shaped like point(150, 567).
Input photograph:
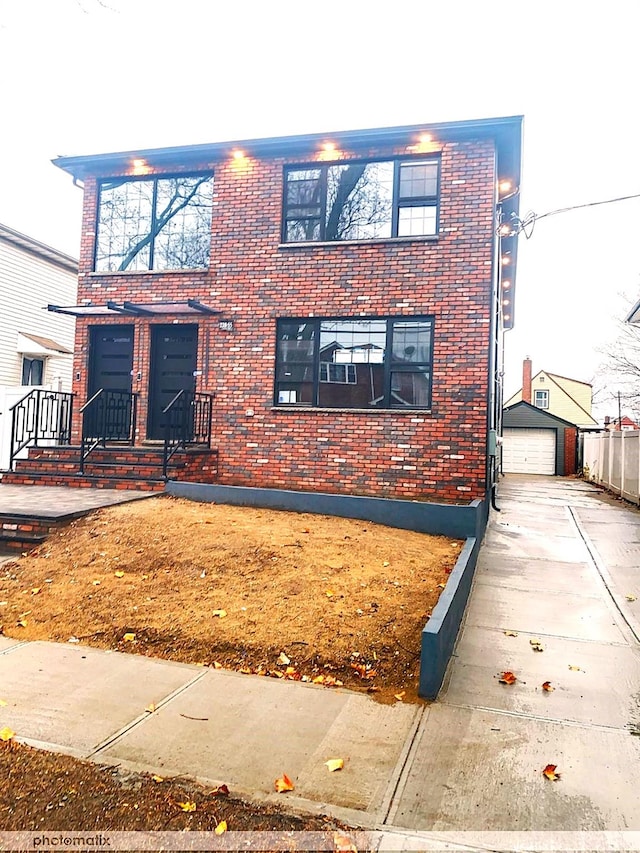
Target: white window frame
point(543, 396)
point(331, 371)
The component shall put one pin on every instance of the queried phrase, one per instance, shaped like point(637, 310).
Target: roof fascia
point(506, 131)
point(34, 247)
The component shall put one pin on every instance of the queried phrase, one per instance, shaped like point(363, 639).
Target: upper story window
point(158, 223)
point(361, 201)
point(541, 399)
point(355, 364)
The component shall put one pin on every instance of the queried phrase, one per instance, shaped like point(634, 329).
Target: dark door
point(174, 352)
point(110, 369)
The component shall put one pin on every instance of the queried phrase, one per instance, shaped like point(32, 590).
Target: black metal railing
point(108, 416)
point(40, 416)
point(187, 421)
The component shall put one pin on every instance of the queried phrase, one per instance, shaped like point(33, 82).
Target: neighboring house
point(540, 423)
point(568, 399)
point(342, 296)
point(36, 346)
point(620, 424)
point(537, 442)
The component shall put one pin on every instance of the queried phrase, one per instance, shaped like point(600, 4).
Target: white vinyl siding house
point(36, 345)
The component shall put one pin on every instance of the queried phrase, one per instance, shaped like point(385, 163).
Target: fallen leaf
point(221, 827)
point(73, 640)
point(575, 668)
point(511, 633)
point(283, 784)
point(2, 703)
point(6, 733)
point(537, 648)
point(96, 583)
point(364, 670)
point(550, 772)
point(35, 590)
point(343, 844)
point(220, 791)
point(22, 623)
point(220, 613)
point(217, 665)
point(129, 638)
point(400, 696)
point(507, 678)
point(329, 593)
point(188, 806)
point(150, 708)
point(119, 574)
point(440, 586)
point(157, 778)
point(334, 764)
point(630, 597)
point(547, 686)
point(283, 659)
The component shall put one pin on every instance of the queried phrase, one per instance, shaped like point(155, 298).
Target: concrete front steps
point(112, 467)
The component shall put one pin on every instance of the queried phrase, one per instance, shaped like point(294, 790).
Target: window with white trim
point(32, 371)
point(541, 399)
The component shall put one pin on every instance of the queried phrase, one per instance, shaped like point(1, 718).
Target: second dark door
point(174, 353)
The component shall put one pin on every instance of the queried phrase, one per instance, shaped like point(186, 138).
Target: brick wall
point(437, 455)
point(570, 438)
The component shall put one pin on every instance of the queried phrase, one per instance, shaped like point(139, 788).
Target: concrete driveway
point(559, 565)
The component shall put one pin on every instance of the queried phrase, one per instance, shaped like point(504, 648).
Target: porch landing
point(29, 513)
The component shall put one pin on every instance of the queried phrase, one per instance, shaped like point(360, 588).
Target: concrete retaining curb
point(441, 631)
point(459, 522)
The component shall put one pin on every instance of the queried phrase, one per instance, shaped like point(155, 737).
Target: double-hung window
point(361, 201)
point(382, 362)
point(541, 399)
point(154, 223)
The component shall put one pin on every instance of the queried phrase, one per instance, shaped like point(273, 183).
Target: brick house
point(341, 296)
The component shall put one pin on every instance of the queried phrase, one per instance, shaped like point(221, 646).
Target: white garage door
point(529, 451)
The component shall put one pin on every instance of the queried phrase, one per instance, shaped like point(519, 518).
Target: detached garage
point(535, 442)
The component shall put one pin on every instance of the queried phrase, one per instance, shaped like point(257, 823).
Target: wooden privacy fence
point(612, 459)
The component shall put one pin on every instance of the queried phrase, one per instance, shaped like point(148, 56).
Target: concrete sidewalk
point(556, 566)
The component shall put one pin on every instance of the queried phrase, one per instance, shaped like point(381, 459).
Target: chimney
point(526, 380)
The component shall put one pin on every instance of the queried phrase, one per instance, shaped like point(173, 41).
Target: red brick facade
point(254, 279)
point(570, 439)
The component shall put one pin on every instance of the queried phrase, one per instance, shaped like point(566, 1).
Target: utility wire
point(527, 224)
point(589, 204)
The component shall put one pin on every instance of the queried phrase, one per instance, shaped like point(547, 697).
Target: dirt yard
point(307, 597)
point(48, 792)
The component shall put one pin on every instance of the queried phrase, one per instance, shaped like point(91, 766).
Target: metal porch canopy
point(135, 309)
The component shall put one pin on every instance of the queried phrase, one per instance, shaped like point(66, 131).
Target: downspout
point(493, 379)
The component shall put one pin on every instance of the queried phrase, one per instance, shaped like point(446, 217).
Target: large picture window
point(361, 201)
point(160, 223)
point(355, 363)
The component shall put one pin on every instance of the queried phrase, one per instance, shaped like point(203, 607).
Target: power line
point(526, 225)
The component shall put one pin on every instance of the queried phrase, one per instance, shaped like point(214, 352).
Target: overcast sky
point(91, 76)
